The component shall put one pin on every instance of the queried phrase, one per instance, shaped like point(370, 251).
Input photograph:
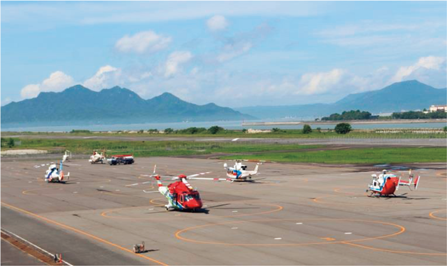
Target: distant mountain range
point(79, 105)
point(406, 95)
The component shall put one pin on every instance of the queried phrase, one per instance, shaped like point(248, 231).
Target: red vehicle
point(387, 184)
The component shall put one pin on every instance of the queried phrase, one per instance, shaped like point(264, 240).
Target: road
point(291, 214)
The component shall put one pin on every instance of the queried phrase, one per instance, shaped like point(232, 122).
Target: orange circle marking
point(179, 232)
point(394, 251)
point(432, 215)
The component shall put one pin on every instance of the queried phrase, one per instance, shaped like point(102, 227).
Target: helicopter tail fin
point(256, 169)
point(416, 182)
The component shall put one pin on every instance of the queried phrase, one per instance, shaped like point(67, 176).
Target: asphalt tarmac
point(290, 214)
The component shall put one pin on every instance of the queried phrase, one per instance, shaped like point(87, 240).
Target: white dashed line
point(278, 238)
point(299, 223)
point(234, 211)
point(348, 233)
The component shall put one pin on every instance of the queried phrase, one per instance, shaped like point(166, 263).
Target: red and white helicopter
point(180, 194)
point(97, 157)
point(55, 175)
point(239, 171)
point(386, 184)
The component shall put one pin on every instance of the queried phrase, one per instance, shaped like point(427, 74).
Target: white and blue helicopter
point(55, 175)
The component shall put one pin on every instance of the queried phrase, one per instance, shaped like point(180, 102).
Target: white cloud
point(217, 23)
point(106, 76)
point(233, 50)
point(316, 83)
point(174, 60)
point(142, 42)
point(430, 69)
point(6, 101)
point(30, 91)
point(56, 82)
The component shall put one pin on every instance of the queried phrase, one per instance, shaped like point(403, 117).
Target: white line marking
point(148, 191)
point(234, 228)
point(348, 233)
point(299, 223)
point(234, 211)
point(236, 139)
point(75, 192)
point(151, 209)
point(278, 238)
point(31, 244)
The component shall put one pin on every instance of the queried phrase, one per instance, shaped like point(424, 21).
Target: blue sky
point(230, 53)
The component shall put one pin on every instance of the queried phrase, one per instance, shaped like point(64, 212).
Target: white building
point(435, 108)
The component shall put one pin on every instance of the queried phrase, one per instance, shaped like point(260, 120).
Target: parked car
point(121, 159)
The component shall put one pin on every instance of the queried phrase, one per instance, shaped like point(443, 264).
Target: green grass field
point(356, 156)
point(288, 133)
point(152, 148)
point(238, 150)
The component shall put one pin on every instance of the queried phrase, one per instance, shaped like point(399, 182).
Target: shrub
point(244, 130)
point(11, 143)
point(445, 129)
point(276, 130)
point(169, 130)
point(215, 129)
point(319, 129)
point(343, 128)
point(84, 131)
point(307, 129)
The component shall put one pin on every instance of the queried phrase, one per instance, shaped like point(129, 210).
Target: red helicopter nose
point(194, 204)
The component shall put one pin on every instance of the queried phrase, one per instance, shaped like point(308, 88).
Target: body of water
point(224, 124)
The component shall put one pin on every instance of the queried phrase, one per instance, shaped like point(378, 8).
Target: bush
point(152, 130)
point(307, 129)
point(277, 130)
point(343, 128)
point(319, 129)
point(169, 130)
point(215, 129)
point(192, 130)
point(11, 143)
point(81, 131)
point(244, 130)
point(445, 129)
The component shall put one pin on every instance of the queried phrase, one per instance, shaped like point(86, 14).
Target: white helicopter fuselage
point(239, 173)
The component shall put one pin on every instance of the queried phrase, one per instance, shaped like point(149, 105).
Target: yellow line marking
point(328, 238)
point(432, 215)
point(80, 232)
point(179, 232)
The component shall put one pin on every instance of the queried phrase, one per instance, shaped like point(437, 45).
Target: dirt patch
point(23, 152)
point(29, 250)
